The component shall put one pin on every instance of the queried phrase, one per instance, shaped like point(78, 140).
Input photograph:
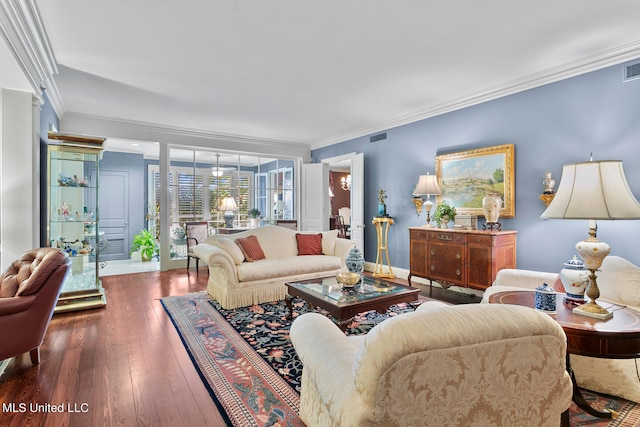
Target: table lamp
point(593, 191)
point(427, 186)
point(229, 207)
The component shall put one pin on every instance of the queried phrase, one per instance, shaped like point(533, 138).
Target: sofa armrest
point(209, 253)
point(527, 279)
point(12, 305)
point(328, 357)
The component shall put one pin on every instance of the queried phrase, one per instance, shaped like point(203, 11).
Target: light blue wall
point(551, 125)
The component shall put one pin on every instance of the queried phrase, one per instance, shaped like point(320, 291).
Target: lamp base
point(591, 309)
point(228, 220)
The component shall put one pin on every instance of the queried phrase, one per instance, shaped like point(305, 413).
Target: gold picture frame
point(466, 177)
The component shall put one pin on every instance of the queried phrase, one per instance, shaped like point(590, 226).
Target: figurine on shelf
point(64, 210)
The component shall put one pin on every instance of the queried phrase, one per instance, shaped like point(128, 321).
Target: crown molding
point(22, 29)
point(570, 69)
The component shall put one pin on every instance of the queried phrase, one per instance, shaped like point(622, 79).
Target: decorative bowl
point(348, 279)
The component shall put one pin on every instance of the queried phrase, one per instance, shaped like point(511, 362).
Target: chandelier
point(345, 182)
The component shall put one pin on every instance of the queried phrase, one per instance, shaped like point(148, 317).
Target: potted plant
point(145, 243)
point(254, 217)
point(444, 213)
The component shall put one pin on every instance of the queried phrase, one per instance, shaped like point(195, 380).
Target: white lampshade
point(427, 185)
point(228, 205)
point(593, 190)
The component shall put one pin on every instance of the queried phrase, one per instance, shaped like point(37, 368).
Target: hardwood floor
point(119, 365)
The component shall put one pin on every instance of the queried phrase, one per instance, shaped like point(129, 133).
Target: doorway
point(349, 165)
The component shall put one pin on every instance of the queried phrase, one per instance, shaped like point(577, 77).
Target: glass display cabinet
point(72, 168)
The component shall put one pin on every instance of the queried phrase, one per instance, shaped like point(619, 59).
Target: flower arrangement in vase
point(444, 213)
point(254, 217)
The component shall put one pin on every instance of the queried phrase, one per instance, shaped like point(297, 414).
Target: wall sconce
point(345, 182)
point(427, 186)
point(418, 202)
point(549, 192)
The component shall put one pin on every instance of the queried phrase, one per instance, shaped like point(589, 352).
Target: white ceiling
point(320, 72)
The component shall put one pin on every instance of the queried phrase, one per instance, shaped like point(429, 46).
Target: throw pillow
point(309, 244)
point(231, 248)
point(251, 248)
point(329, 242)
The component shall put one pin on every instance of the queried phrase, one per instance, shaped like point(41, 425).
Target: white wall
point(19, 174)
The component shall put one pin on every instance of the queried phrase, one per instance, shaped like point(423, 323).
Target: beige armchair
point(619, 283)
point(440, 365)
point(29, 291)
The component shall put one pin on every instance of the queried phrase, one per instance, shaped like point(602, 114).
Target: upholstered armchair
point(29, 291)
point(441, 365)
point(197, 232)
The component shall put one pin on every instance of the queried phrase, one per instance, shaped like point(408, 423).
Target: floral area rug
point(248, 364)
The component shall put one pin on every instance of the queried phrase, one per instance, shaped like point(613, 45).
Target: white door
point(357, 199)
point(315, 197)
point(114, 214)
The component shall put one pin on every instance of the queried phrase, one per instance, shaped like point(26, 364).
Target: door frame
point(356, 168)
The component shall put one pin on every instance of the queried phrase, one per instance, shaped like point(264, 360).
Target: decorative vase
point(491, 205)
point(355, 260)
point(575, 279)
point(545, 299)
point(444, 221)
point(254, 222)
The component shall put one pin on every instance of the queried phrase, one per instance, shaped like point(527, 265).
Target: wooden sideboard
point(467, 258)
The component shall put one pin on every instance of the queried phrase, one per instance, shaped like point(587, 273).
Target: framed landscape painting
point(466, 177)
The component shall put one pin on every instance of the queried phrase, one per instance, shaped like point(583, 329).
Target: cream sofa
point(233, 282)
point(441, 365)
point(619, 283)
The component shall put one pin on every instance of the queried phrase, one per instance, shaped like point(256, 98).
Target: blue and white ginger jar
point(355, 260)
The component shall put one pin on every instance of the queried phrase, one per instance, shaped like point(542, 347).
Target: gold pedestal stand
point(382, 225)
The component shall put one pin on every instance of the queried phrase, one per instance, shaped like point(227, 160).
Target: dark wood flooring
point(122, 365)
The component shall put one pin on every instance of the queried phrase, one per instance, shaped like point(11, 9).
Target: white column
point(18, 176)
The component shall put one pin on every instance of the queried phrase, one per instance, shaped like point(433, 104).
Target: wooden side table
point(615, 338)
point(382, 230)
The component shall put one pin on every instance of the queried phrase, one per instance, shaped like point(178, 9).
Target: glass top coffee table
point(370, 294)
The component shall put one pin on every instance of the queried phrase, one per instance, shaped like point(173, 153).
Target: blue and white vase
point(575, 279)
point(545, 299)
point(355, 260)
